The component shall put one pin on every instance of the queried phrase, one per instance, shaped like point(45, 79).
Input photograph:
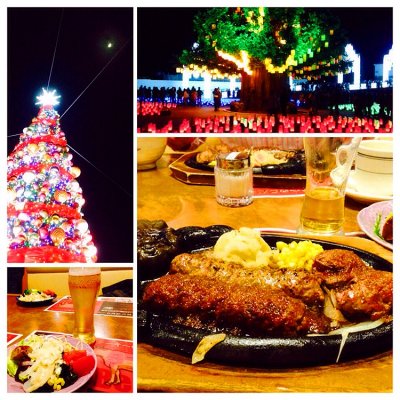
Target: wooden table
point(24, 320)
point(161, 196)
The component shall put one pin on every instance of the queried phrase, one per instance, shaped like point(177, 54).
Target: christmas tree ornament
point(44, 199)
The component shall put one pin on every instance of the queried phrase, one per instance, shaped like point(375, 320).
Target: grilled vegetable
point(195, 237)
point(158, 244)
point(156, 247)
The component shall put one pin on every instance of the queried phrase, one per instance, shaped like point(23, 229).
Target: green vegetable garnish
point(377, 226)
point(29, 291)
point(12, 367)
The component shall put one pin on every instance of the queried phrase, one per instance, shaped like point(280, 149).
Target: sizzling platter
point(266, 162)
point(300, 351)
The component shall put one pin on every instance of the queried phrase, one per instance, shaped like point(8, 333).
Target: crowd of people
point(332, 98)
point(186, 96)
point(363, 103)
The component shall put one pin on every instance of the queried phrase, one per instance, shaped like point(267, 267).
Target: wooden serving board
point(161, 370)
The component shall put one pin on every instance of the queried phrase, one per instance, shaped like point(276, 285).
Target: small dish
point(367, 218)
point(39, 303)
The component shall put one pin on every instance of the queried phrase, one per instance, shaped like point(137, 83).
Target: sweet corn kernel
point(295, 255)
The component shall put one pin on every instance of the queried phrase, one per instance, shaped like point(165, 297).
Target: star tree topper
point(48, 98)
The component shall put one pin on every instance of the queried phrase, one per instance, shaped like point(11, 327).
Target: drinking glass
point(84, 284)
point(328, 164)
point(234, 179)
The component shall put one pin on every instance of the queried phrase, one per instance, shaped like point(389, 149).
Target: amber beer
point(323, 211)
point(84, 284)
point(328, 164)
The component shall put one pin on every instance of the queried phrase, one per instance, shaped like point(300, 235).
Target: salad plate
point(35, 298)
point(17, 387)
point(371, 219)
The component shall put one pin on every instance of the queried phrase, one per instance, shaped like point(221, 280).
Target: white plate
point(366, 218)
point(16, 387)
point(367, 198)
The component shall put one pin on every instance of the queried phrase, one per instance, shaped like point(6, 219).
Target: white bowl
point(149, 151)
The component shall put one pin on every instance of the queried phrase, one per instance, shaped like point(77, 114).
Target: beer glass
point(328, 164)
point(84, 284)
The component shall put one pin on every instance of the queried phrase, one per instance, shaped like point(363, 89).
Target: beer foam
point(84, 271)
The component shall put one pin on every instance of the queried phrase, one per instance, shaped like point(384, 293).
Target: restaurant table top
point(23, 320)
point(161, 196)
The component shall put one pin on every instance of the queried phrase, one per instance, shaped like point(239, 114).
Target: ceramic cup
point(373, 172)
point(149, 151)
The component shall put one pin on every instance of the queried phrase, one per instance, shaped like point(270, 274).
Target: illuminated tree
point(45, 222)
point(265, 46)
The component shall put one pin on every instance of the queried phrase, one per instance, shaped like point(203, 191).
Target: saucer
point(363, 197)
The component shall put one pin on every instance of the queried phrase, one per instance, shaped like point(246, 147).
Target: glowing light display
point(290, 41)
point(352, 56)
point(48, 98)
point(242, 63)
point(387, 67)
point(45, 222)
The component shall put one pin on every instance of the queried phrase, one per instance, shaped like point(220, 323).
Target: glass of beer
point(328, 164)
point(84, 284)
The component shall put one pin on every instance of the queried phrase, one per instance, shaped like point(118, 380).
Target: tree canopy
point(301, 42)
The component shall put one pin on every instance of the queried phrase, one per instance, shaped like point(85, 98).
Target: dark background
point(163, 33)
point(100, 124)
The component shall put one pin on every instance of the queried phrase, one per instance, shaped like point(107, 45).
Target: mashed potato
point(244, 246)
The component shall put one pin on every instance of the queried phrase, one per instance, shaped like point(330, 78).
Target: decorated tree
point(264, 46)
point(45, 222)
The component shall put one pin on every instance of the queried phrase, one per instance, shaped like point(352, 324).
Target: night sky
point(164, 33)
point(100, 124)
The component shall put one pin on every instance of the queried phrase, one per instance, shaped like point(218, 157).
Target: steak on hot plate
point(233, 306)
point(300, 284)
point(202, 291)
point(360, 291)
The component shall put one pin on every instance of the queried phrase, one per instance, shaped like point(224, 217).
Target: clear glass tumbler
point(234, 179)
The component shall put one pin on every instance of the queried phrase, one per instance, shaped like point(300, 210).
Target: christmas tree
point(45, 222)
point(264, 46)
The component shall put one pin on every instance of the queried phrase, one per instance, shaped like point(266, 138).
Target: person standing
point(217, 98)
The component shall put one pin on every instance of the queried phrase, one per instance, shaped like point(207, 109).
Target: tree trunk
point(265, 92)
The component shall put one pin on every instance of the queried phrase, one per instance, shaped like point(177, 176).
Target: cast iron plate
point(295, 165)
point(272, 352)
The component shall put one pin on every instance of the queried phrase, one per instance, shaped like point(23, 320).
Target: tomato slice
point(83, 365)
point(69, 356)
